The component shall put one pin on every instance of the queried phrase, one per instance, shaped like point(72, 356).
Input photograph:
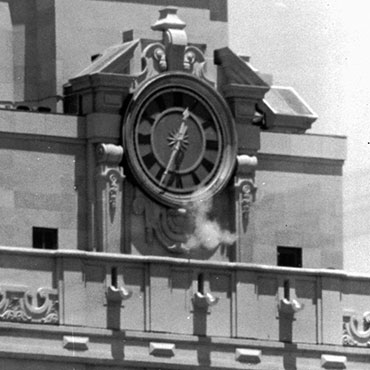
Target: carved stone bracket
point(109, 154)
point(356, 332)
point(246, 165)
point(204, 301)
point(118, 294)
point(109, 197)
point(290, 306)
point(245, 188)
point(171, 226)
point(22, 304)
point(109, 157)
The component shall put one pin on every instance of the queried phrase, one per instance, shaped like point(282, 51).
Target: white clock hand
point(180, 135)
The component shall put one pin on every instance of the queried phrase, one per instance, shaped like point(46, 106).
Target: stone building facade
point(162, 205)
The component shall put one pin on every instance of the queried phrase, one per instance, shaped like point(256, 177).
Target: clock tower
point(184, 180)
point(132, 235)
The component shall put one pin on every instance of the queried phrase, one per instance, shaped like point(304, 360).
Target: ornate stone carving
point(356, 332)
point(245, 188)
point(21, 304)
point(195, 63)
point(173, 53)
point(113, 188)
point(171, 226)
point(154, 59)
point(246, 194)
point(109, 157)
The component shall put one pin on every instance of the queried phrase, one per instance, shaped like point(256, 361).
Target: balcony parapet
point(189, 297)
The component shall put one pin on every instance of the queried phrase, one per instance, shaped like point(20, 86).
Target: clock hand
point(174, 153)
point(180, 135)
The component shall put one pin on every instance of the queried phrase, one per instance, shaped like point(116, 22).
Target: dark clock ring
point(180, 139)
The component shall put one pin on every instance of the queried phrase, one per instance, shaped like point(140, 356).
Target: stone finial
point(174, 37)
point(168, 18)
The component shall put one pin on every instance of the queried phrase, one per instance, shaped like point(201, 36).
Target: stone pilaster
point(109, 190)
point(244, 196)
point(243, 89)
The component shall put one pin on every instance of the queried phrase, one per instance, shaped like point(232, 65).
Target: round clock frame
point(179, 139)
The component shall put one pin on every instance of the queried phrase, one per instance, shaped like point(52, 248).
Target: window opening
point(44, 238)
point(289, 256)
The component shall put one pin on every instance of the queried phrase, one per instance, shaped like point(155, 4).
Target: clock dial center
point(177, 144)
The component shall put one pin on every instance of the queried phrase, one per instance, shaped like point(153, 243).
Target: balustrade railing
point(190, 297)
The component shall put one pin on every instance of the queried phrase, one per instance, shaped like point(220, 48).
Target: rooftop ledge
point(304, 145)
point(74, 127)
point(42, 124)
point(110, 257)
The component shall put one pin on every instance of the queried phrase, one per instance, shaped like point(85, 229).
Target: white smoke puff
point(207, 233)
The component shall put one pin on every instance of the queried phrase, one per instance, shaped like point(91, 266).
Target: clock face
point(179, 138)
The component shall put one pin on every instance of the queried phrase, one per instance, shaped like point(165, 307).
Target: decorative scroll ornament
point(246, 193)
point(113, 189)
point(21, 304)
point(171, 226)
point(154, 59)
point(356, 332)
point(173, 53)
point(109, 154)
point(195, 63)
point(245, 187)
point(109, 157)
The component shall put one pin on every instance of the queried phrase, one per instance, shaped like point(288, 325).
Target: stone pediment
point(279, 109)
point(143, 58)
point(120, 69)
point(236, 70)
point(115, 59)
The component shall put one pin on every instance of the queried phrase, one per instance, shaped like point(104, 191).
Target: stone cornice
point(97, 256)
point(42, 124)
point(309, 146)
point(243, 91)
point(133, 349)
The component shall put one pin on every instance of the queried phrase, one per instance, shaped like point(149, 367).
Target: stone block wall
point(42, 179)
point(299, 200)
